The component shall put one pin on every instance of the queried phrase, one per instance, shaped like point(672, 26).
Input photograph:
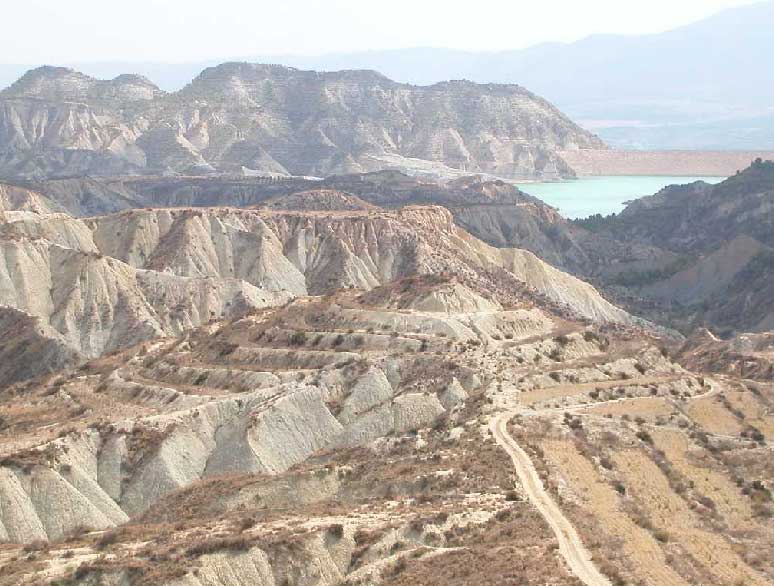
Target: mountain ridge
point(653, 114)
point(274, 120)
point(710, 251)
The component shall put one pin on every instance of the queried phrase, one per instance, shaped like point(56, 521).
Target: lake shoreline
point(605, 195)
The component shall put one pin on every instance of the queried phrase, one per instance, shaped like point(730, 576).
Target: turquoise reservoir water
point(602, 195)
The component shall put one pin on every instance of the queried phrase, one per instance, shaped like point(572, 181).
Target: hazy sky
point(55, 31)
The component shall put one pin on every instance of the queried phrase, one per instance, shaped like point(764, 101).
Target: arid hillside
point(709, 253)
point(107, 282)
point(367, 437)
point(323, 383)
point(494, 211)
point(271, 120)
point(690, 256)
point(318, 390)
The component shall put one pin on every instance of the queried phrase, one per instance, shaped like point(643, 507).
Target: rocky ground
point(688, 257)
point(346, 438)
point(99, 284)
point(322, 391)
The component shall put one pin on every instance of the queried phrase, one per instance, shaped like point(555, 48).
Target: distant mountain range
point(705, 85)
point(272, 120)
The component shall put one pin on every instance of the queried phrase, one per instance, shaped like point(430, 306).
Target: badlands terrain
point(691, 256)
point(269, 330)
point(323, 388)
point(273, 120)
point(97, 284)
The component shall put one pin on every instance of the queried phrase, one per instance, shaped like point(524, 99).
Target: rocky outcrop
point(494, 211)
point(273, 120)
point(51, 84)
point(327, 562)
point(79, 303)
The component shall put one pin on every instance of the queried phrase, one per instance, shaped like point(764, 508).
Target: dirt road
point(570, 545)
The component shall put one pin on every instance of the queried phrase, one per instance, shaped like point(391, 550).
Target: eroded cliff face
point(308, 252)
point(114, 280)
point(263, 119)
point(494, 211)
point(99, 303)
point(19, 199)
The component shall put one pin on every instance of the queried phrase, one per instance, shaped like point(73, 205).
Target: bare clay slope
point(115, 280)
point(494, 211)
point(318, 252)
point(274, 120)
point(347, 438)
point(256, 396)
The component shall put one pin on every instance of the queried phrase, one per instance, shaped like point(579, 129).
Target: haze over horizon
point(179, 32)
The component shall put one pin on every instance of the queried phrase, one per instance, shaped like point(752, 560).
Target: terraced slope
point(111, 281)
point(234, 409)
point(347, 437)
point(651, 464)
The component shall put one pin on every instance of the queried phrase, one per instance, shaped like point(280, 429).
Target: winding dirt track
point(571, 547)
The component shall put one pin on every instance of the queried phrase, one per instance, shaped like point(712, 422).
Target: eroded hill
point(713, 252)
point(315, 390)
point(275, 121)
point(110, 281)
point(494, 211)
point(347, 439)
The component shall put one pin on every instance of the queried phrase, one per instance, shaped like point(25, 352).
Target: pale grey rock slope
point(494, 211)
point(274, 120)
point(204, 406)
point(96, 479)
point(454, 299)
point(62, 300)
point(99, 303)
point(112, 281)
point(317, 253)
point(326, 562)
point(14, 198)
